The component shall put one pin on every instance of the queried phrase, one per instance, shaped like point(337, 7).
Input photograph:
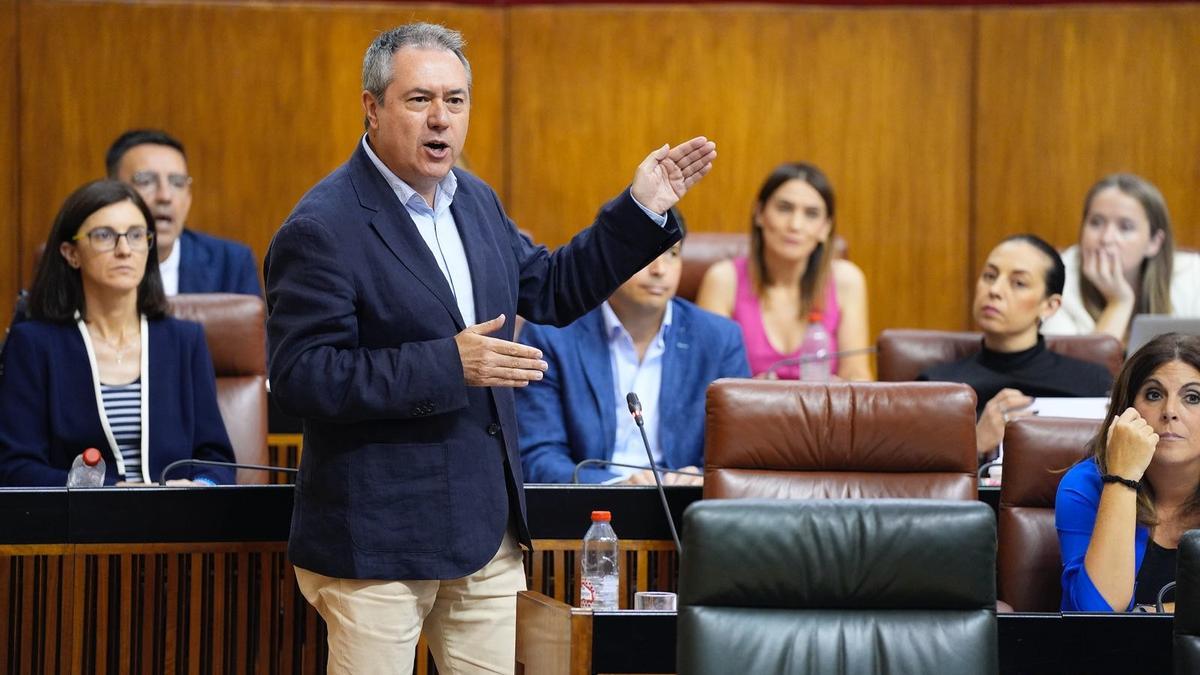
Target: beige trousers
point(470, 623)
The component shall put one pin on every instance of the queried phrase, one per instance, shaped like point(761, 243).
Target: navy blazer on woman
point(570, 416)
point(49, 414)
point(407, 472)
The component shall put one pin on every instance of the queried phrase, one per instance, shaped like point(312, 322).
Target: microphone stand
point(635, 409)
point(162, 478)
point(605, 462)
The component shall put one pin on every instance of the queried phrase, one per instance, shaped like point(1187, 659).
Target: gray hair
point(377, 63)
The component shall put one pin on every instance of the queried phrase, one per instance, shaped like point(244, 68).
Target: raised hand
point(667, 173)
point(1131, 445)
point(492, 362)
point(1103, 269)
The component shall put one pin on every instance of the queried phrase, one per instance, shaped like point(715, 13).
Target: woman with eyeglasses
point(101, 365)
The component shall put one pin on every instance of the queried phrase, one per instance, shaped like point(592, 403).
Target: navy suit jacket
point(48, 410)
point(570, 415)
point(209, 264)
point(407, 472)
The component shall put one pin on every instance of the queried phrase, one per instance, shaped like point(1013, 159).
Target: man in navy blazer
point(390, 290)
point(642, 339)
point(155, 164)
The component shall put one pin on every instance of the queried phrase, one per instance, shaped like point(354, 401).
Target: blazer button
point(493, 429)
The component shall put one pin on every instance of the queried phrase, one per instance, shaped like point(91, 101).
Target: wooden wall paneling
point(1067, 95)
point(266, 97)
point(10, 269)
point(879, 99)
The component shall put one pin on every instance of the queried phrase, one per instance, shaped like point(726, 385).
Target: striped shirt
point(123, 408)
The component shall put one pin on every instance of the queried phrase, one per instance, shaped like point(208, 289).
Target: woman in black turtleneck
point(1020, 286)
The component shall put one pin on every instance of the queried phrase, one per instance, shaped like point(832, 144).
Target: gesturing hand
point(1008, 404)
point(666, 174)
point(1131, 445)
point(1103, 269)
point(492, 362)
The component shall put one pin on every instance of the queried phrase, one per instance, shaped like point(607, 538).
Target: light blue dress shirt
point(439, 231)
point(641, 377)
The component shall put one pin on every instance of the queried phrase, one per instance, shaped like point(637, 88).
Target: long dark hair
point(820, 261)
point(1137, 369)
point(57, 291)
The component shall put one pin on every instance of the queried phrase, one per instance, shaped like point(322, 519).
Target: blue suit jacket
point(48, 411)
point(569, 416)
point(408, 473)
point(208, 264)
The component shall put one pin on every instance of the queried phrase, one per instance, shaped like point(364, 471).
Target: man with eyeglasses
point(155, 164)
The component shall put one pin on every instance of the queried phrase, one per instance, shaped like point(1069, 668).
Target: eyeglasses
point(105, 238)
point(150, 181)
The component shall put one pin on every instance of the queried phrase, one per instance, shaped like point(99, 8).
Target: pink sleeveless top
point(748, 314)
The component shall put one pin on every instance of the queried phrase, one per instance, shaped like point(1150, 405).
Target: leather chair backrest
point(803, 440)
point(850, 586)
point(1187, 604)
point(1037, 452)
point(904, 353)
point(702, 249)
point(235, 329)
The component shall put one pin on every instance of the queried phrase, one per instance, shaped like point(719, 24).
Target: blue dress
point(1075, 508)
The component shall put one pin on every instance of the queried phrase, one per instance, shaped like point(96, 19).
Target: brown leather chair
point(842, 440)
point(235, 329)
point(701, 250)
point(1037, 452)
point(903, 353)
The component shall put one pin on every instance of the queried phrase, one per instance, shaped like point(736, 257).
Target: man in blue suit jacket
point(645, 340)
point(154, 163)
point(389, 289)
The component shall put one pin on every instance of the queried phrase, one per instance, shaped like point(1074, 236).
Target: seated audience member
point(1019, 288)
point(100, 364)
point(643, 340)
point(1125, 262)
point(154, 163)
point(789, 274)
point(1121, 511)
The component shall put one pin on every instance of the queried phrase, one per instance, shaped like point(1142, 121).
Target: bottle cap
point(814, 317)
point(91, 457)
point(601, 516)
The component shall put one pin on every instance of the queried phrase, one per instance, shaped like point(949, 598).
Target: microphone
point(605, 462)
point(162, 478)
point(816, 358)
point(635, 409)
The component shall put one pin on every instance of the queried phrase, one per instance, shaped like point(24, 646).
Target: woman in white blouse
point(1125, 262)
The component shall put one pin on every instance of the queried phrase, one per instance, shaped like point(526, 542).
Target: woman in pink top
point(789, 273)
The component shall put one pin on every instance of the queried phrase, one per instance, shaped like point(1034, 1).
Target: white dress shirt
point(169, 268)
point(643, 378)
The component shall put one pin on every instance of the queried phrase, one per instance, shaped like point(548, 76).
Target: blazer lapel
point(399, 233)
point(676, 351)
point(597, 369)
point(194, 264)
point(478, 242)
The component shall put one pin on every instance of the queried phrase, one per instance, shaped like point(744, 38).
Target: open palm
point(666, 174)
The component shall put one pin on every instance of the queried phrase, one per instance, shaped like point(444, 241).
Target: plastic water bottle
point(816, 364)
point(87, 470)
point(600, 563)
